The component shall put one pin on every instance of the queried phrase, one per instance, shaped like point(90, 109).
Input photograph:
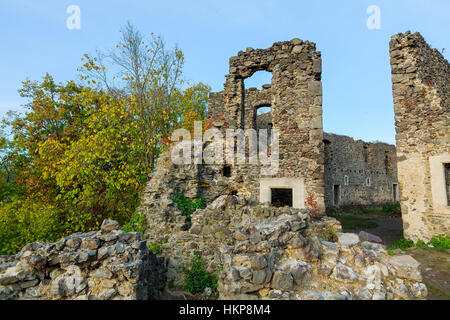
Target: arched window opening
point(263, 117)
point(263, 120)
point(365, 154)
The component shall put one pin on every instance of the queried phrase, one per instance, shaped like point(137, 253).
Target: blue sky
point(357, 98)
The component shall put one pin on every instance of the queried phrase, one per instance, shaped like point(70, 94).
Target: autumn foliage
point(82, 151)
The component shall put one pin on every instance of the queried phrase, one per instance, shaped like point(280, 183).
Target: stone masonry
point(421, 92)
point(260, 251)
point(295, 98)
point(257, 249)
point(359, 173)
point(109, 264)
point(289, 256)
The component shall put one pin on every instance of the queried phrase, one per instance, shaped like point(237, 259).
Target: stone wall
point(359, 173)
point(421, 93)
point(285, 257)
point(263, 252)
point(109, 264)
point(181, 238)
point(245, 178)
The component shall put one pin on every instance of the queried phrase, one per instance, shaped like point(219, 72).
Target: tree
point(149, 77)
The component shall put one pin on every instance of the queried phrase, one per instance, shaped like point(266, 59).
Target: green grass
point(384, 211)
point(400, 244)
point(438, 291)
point(352, 222)
point(440, 243)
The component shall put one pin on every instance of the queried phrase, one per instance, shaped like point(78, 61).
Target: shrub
point(188, 206)
point(24, 221)
point(330, 232)
point(440, 241)
point(196, 279)
point(156, 248)
point(421, 244)
point(137, 223)
point(401, 244)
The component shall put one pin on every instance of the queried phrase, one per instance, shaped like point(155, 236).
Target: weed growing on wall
point(188, 206)
point(196, 279)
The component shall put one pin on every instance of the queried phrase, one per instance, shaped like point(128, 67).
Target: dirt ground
point(435, 265)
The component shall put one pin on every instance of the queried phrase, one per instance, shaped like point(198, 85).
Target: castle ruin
point(267, 236)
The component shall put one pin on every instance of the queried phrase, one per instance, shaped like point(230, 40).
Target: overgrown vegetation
point(82, 151)
point(197, 279)
point(330, 232)
point(356, 217)
point(401, 244)
point(440, 242)
point(155, 247)
point(188, 206)
point(137, 223)
point(22, 222)
point(391, 208)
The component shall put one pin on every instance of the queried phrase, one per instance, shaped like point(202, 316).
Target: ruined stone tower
point(295, 98)
point(420, 86)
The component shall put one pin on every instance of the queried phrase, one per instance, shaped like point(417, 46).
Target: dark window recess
point(394, 192)
point(327, 151)
point(281, 197)
point(386, 163)
point(226, 171)
point(366, 156)
point(269, 133)
point(336, 195)
point(447, 181)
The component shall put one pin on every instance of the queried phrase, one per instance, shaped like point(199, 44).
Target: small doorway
point(336, 194)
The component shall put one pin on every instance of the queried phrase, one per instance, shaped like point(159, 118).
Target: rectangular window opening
point(394, 192)
point(281, 197)
point(226, 171)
